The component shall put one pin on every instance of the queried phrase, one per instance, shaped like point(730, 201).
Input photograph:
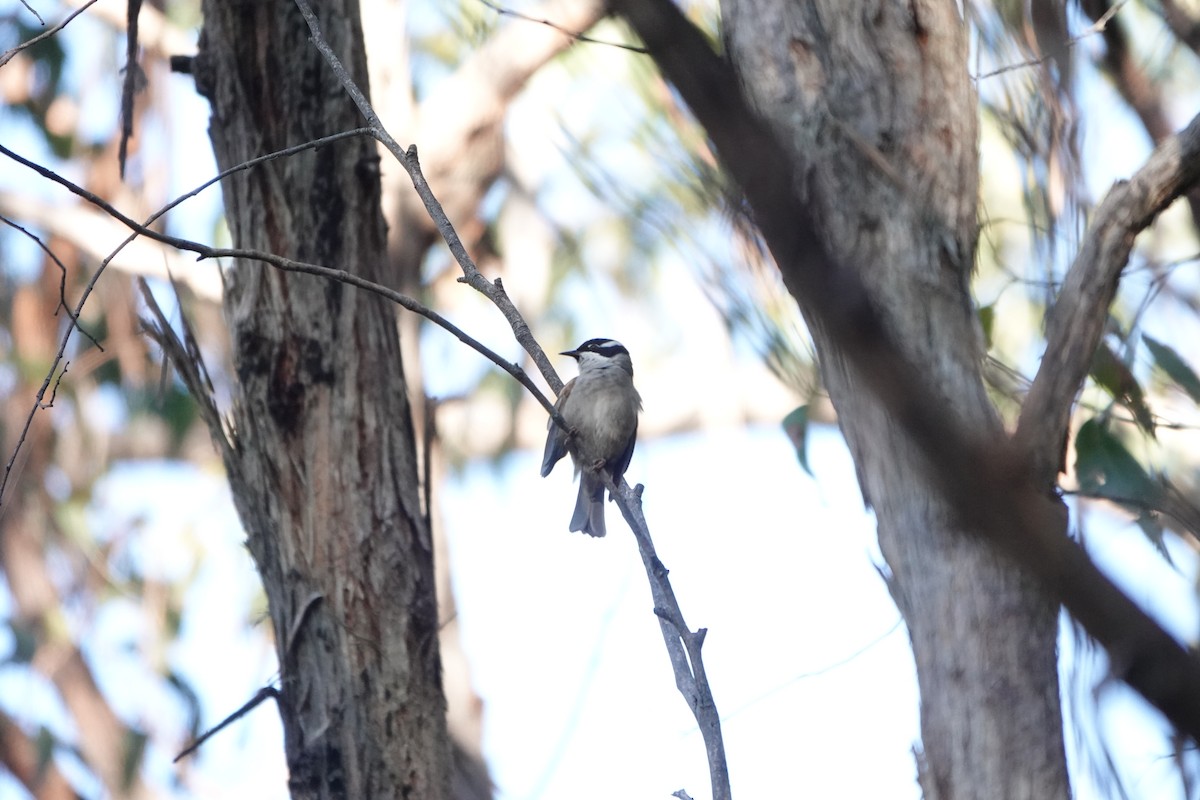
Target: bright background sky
point(808, 661)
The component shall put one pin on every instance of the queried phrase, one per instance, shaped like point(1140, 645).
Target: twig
point(1096, 27)
point(683, 644)
point(493, 290)
point(985, 479)
point(1076, 322)
point(33, 11)
point(189, 364)
point(139, 229)
point(62, 284)
point(285, 264)
point(54, 392)
point(259, 696)
point(135, 79)
point(262, 694)
point(579, 37)
point(8, 54)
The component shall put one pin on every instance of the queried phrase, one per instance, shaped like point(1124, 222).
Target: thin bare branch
point(259, 696)
point(62, 284)
point(1076, 322)
point(133, 82)
point(1136, 85)
point(33, 11)
point(189, 365)
point(683, 644)
point(285, 264)
point(8, 54)
point(579, 37)
point(985, 480)
point(493, 290)
point(1096, 27)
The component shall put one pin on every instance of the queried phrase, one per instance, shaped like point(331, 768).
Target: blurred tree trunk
point(322, 463)
point(31, 541)
point(875, 102)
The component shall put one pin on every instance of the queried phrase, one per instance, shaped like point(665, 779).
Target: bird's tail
point(589, 506)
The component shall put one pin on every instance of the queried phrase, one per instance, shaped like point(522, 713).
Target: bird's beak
point(571, 353)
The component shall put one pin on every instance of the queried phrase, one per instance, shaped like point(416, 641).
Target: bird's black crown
point(604, 347)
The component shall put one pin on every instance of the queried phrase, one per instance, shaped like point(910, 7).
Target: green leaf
point(1114, 376)
point(44, 745)
point(795, 425)
point(25, 642)
point(1105, 468)
point(1148, 522)
point(134, 747)
point(1176, 368)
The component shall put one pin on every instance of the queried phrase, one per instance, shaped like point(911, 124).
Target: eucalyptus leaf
point(795, 425)
point(1114, 376)
point(1105, 468)
point(1176, 368)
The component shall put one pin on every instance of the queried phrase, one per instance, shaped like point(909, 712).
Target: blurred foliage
point(1052, 141)
point(48, 59)
point(1170, 362)
point(634, 185)
point(795, 425)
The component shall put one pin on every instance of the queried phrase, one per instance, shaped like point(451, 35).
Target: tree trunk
point(875, 103)
point(323, 464)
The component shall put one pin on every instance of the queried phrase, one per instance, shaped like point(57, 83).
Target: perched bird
point(601, 409)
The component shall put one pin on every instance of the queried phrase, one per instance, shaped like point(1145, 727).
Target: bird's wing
point(622, 461)
point(556, 438)
point(556, 448)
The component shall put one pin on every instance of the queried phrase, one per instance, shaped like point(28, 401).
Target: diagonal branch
point(279, 262)
point(985, 480)
point(31, 764)
point(7, 55)
point(573, 34)
point(1076, 322)
point(683, 645)
point(494, 291)
point(1135, 84)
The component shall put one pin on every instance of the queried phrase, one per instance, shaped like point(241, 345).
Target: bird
point(600, 407)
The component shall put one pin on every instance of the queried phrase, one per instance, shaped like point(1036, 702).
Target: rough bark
point(459, 129)
point(323, 467)
point(874, 101)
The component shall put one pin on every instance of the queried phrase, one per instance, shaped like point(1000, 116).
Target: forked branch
point(1076, 322)
point(986, 480)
